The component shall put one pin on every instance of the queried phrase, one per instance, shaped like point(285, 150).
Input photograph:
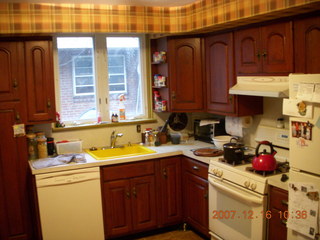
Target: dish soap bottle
point(122, 109)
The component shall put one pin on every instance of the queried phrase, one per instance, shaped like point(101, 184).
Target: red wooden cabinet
point(220, 77)
point(195, 195)
point(39, 81)
point(185, 74)
point(170, 190)
point(15, 212)
point(129, 197)
point(264, 50)
point(12, 85)
point(307, 44)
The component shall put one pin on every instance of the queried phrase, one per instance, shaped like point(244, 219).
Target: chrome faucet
point(113, 138)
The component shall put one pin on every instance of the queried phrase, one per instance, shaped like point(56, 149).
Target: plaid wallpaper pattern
point(33, 18)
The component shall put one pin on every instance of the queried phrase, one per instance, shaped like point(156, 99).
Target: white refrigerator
point(303, 107)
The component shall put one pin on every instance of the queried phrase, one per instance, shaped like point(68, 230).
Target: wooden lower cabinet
point(278, 201)
point(195, 195)
point(170, 191)
point(129, 203)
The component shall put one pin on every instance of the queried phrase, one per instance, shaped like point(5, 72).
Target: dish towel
point(59, 160)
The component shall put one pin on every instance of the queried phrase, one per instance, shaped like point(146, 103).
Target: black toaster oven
point(205, 133)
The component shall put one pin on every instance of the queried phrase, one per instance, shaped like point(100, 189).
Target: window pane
point(124, 57)
point(77, 80)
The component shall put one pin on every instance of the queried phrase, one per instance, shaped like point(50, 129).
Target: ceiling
point(155, 3)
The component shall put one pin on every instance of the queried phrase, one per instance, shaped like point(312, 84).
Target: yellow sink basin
point(126, 151)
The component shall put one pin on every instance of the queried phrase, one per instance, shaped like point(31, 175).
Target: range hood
point(264, 86)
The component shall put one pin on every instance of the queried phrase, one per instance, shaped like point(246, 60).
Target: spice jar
point(32, 146)
point(42, 146)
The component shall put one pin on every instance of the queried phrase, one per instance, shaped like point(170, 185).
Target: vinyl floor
point(174, 235)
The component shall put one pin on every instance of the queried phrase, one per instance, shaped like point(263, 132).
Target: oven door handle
point(234, 193)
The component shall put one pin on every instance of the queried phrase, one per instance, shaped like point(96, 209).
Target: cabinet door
point(171, 190)
point(144, 214)
point(219, 73)
point(247, 51)
point(15, 215)
point(40, 84)
point(11, 71)
point(117, 203)
point(307, 45)
point(277, 48)
point(196, 202)
point(185, 74)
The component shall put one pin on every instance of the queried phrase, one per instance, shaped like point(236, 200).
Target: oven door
point(235, 212)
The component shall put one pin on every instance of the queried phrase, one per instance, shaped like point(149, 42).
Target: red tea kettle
point(264, 161)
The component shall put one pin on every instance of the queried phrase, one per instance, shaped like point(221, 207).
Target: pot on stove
point(233, 152)
point(264, 161)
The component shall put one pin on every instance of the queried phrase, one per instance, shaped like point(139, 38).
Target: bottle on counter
point(42, 145)
point(50, 146)
point(32, 146)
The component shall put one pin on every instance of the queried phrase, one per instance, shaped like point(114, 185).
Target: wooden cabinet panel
point(277, 48)
point(39, 80)
point(171, 199)
point(15, 215)
point(196, 202)
point(264, 50)
point(278, 201)
point(117, 205)
point(143, 203)
point(220, 76)
point(11, 71)
point(185, 74)
point(307, 44)
point(247, 47)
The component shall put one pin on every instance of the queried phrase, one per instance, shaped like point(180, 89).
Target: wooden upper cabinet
point(39, 80)
point(11, 71)
point(185, 74)
point(307, 45)
point(219, 73)
point(264, 50)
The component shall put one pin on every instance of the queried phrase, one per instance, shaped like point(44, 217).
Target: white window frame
point(101, 76)
point(115, 74)
point(74, 76)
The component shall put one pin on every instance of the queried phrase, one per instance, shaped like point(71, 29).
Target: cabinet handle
point(195, 168)
point(134, 193)
point(164, 173)
point(15, 83)
point(49, 103)
point(230, 98)
point(206, 195)
point(18, 118)
point(284, 222)
point(128, 194)
point(284, 202)
point(258, 55)
point(264, 54)
point(173, 95)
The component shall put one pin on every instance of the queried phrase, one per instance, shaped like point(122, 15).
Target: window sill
point(103, 125)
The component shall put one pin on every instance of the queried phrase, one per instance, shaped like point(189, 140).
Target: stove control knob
point(253, 186)
point(219, 173)
point(247, 184)
point(214, 172)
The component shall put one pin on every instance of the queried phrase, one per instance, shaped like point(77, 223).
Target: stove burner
point(282, 167)
point(247, 159)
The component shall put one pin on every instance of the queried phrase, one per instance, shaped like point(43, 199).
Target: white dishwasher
point(70, 205)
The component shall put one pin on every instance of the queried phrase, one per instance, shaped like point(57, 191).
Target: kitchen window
point(94, 71)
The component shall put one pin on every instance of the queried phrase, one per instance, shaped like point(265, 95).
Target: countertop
point(165, 150)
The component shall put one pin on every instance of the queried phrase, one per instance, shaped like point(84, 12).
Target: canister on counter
point(42, 146)
point(32, 146)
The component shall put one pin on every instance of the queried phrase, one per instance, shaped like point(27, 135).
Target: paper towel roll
point(234, 125)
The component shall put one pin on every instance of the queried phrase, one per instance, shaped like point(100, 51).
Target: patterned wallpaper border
point(28, 18)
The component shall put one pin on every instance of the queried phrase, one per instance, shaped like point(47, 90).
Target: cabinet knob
point(206, 195)
point(127, 194)
point(15, 83)
point(284, 202)
point(48, 103)
point(18, 118)
point(134, 192)
point(195, 168)
point(164, 173)
point(264, 54)
point(173, 95)
point(258, 55)
point(230, 98)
